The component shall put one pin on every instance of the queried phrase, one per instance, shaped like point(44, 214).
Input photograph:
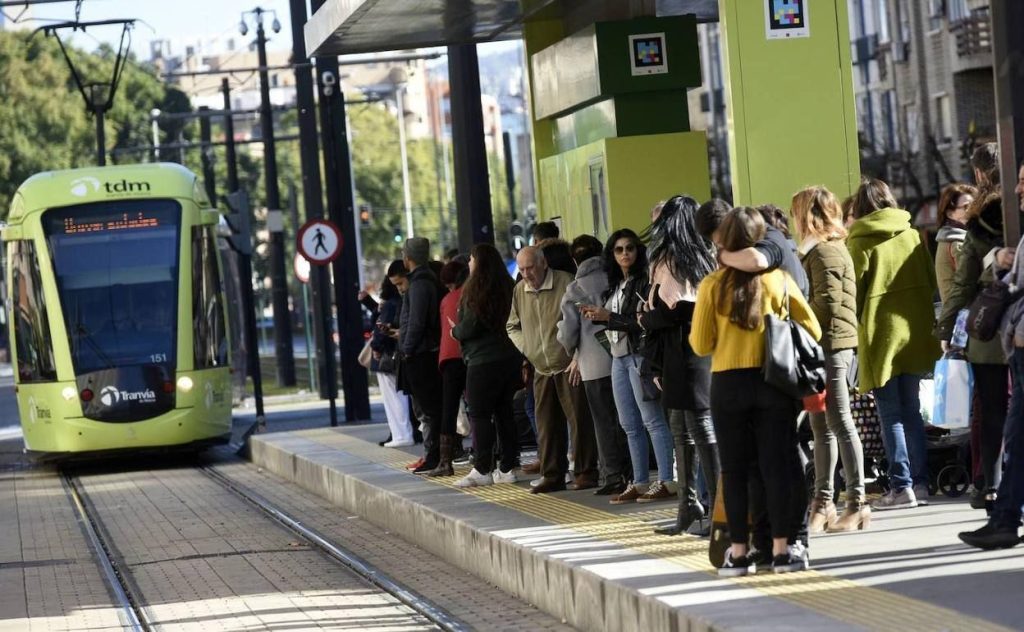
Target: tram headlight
point(68, 393)
point(185, 384)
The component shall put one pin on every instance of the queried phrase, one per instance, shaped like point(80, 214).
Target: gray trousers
point(835, 426)
point(612, 449)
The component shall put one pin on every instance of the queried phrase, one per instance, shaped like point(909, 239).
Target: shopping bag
point(869, 427)
point(954, 383)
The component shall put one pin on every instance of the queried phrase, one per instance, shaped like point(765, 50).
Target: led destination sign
point(121, 221)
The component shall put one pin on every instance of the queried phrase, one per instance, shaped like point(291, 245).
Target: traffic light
point(238, 220)
point(398, 235)
point(364, 215)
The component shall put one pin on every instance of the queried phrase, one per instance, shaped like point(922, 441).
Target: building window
point(903, 8)
point(911, 124)
point(943, 119)
point(889, 113)
point(936, 11)
point(883, 21)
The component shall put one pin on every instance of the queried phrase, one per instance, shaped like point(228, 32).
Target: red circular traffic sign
point(319, 241)
point(301, 266)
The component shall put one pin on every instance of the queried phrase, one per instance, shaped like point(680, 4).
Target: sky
point(166, 19)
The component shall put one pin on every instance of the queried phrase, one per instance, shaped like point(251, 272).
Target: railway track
point(134, 605)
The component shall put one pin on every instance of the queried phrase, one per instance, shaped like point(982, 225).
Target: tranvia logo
point(110, 395)
point(82, 186)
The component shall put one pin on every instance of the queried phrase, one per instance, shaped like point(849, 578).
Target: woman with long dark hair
point(680, 258)
point(625, 261)
point(492, 366)
point(383, 344)
point(753, 420)
point(451, 366)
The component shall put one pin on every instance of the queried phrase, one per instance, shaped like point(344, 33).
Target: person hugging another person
point(760, 427)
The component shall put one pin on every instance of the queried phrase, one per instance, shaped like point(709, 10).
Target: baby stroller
point(949, 460)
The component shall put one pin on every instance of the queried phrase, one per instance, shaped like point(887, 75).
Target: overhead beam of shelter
point(344, 27)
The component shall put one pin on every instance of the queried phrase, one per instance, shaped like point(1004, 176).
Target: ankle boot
point(444, 465)
point(857, 517)
point(823, 515)
point(685, 517)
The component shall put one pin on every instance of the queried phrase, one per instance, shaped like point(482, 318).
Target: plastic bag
point(954, 384)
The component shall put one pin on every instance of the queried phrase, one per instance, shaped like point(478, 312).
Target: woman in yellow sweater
point(753, 421)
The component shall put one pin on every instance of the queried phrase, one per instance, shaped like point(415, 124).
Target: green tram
point(116, 310)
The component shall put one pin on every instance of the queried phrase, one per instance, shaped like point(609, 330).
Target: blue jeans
point(899, 410)
point(1010, 498)
point(635, 414)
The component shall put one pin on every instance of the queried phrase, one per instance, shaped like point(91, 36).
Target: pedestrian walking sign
point(319, 241)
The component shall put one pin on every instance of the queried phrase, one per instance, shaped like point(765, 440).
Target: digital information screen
point(786, 19)
point(121, 221)
point(648, 54)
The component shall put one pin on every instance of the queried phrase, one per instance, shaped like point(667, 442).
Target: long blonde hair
point(818, 213)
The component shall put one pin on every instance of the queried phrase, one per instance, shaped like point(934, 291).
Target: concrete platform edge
point(577, 596)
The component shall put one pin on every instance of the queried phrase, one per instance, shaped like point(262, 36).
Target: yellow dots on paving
point(875, 609)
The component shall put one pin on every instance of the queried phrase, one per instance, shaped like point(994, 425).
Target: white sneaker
point(475, 479)
point(537, 481)
point(903, 499)
point(399, 444)
point(569, 477)
point(505, 477)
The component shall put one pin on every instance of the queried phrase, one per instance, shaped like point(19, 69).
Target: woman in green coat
point(988, 363)
point(895, 287)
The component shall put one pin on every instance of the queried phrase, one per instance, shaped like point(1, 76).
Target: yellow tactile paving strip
point(829, 596)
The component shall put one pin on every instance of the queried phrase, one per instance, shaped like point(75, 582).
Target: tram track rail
point(130, 612)
point(368, 572)
point(131, 605)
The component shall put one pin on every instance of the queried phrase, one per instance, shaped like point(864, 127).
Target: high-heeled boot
point(690, 509)
point(822, 515)
point(444, 464)
point(712, 469)
point(857, 517)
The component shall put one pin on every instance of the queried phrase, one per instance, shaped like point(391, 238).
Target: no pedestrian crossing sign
point(319, 241)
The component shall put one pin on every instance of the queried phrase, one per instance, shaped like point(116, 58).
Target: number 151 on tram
point(116, 310)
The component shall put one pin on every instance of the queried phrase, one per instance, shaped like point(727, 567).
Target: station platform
point(600, 567)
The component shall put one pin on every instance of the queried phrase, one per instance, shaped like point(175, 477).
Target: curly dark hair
point(611, 267)
point(488, 290)
point(675, 240)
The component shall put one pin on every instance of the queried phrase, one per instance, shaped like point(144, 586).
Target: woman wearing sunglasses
point(625, 261)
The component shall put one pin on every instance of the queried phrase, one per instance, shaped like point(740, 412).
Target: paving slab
point(600, 567)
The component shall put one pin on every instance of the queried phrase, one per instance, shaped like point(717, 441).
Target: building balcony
point(973, 41)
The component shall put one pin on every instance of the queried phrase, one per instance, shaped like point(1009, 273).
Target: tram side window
point(210, 344)
point(34, 345)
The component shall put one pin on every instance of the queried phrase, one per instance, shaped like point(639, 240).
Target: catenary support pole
point(230, 155)
point(206, 157)
point(472, 183)
point(1008, 65)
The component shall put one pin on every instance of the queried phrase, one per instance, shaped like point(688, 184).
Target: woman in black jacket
point(384, 345)
point(680, 259)
point(636, 397)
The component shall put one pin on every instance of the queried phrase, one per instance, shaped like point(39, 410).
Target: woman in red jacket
point(453, 369)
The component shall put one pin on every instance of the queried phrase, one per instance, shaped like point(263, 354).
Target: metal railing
point(973, 34)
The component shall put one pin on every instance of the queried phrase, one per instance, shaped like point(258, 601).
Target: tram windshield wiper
point(84, 335)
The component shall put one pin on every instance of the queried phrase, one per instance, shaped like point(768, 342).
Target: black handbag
point(986, 312)
point(386, 363)
point(794, 362)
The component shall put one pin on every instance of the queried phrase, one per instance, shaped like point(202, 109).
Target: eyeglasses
point(627, 248)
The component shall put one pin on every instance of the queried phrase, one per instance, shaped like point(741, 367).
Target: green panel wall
point(639, 172)
point(792, 121)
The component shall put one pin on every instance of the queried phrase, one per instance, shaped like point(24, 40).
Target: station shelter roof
point(342, 27)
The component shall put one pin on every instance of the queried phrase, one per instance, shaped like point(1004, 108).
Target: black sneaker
point(760, 557)
point(736, 566)
point(466, 458)
point(991, 537)
point(796, 558)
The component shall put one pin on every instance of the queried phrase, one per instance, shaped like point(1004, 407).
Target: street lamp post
point(275, 220)
point(154, 114)
point(399, 77)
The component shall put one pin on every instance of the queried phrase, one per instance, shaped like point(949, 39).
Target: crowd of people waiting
point(650, 347)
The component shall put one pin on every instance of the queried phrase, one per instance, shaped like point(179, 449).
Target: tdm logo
point(111, 395)
point(81, 187)
point(125, 186)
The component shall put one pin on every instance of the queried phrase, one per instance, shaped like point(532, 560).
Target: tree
point(43, 121)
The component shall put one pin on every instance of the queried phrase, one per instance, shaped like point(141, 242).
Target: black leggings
point(991, 384)
point(759, 426)
point(453, 384)
point(490, 388)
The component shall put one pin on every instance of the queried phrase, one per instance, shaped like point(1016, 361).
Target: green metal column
point(792, 119)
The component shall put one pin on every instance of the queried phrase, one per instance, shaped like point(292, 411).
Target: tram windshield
point(116, 265)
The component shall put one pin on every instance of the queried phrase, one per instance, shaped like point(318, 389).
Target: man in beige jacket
point(533, 327)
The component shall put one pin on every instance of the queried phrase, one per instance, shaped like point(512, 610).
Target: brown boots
point(823, 515)
point(855, 518)
point(444, 466)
